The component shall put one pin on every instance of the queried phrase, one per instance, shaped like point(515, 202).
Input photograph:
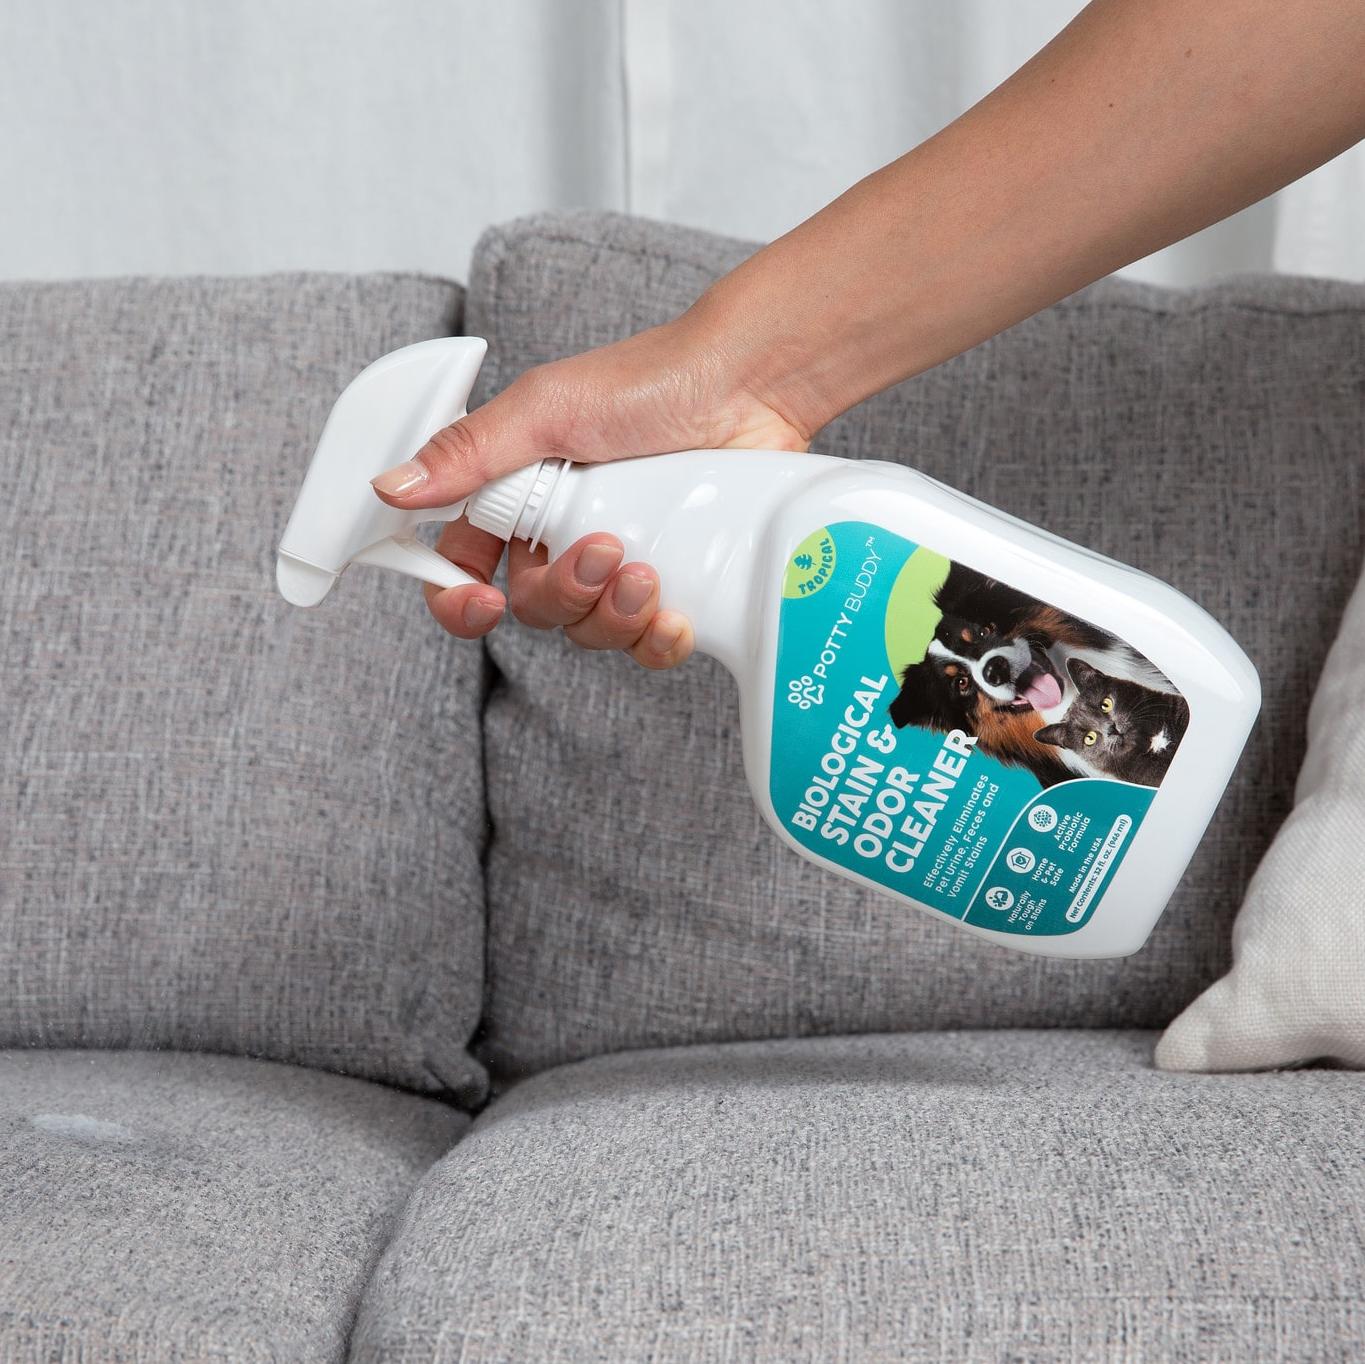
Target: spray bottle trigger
point(407, 554)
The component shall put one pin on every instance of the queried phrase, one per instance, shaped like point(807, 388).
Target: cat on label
point(1119, 728)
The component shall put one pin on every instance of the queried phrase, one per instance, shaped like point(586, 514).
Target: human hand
point(673, 387)
point(1039, 189)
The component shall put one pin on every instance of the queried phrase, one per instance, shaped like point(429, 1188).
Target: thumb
point(459, 459)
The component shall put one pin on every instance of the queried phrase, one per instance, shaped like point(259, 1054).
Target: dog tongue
point(1043, 692)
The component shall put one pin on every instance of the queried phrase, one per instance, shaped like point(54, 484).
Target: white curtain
point(235, 136)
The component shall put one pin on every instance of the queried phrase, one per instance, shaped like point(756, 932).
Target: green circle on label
point(811, 565)
point(911, 614)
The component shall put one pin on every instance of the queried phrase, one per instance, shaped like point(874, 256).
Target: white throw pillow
point(1296, 991)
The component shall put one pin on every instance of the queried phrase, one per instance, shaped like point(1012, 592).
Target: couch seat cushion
point(987, 1196)
point(1212, 437)
point(230, 825)
point(176, 1207)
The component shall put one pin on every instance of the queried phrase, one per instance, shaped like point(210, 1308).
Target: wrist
point(755, 353)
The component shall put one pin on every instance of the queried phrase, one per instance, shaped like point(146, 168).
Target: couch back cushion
point(230, 825)
point(1212, 437)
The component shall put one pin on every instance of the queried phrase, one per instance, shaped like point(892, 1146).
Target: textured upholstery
point(952, 1196)
point(158, 1207)
point(1212, 437)
point(230, 825)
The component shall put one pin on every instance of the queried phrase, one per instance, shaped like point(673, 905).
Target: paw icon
point(803, 692)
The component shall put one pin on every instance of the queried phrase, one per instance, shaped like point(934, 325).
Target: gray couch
point(371, 995)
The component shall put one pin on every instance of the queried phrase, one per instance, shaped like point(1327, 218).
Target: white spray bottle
point(939, 701)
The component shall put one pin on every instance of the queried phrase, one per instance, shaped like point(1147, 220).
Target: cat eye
point(1107, 705)
point(1091, 737)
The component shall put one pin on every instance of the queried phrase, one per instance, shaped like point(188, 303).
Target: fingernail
point(664, 634)
point(596, 563)
point(631, 593)
point(402, 479)
point(479, 613)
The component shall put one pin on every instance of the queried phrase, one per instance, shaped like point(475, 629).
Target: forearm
point(1143, 121)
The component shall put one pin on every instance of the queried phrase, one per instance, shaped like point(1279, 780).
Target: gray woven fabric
point(1212, 437)
point(230, 825)
point(951, 1196)
point(162, 1207)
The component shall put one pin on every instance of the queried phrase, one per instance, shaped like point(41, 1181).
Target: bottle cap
point(516, 505)
point(497, 506)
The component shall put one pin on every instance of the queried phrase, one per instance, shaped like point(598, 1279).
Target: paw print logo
point(803, 561)
point(803, 692)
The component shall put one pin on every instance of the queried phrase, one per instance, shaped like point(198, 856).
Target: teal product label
point(956, 740)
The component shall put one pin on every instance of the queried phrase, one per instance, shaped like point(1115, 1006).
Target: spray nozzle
point(386, 413)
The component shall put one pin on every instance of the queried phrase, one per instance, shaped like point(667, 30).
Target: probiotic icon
point(1043, 818)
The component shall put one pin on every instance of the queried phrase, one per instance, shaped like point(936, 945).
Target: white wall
point(186, 136)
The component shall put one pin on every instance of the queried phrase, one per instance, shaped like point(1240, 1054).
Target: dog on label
point(998, 667)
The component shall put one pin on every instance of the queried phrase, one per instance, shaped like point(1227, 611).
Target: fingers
point(600, 602)
point(468, 612)
point(666, 642)
point(451, 465)
point(465, 612)
point(564, 592)
point(623, 612)
point(496, 438)
point(543, 595)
